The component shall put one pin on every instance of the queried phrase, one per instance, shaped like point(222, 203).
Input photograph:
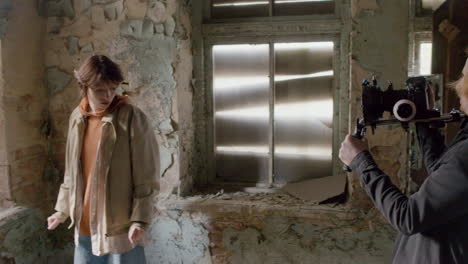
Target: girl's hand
point(52, 222)
point(135, 233)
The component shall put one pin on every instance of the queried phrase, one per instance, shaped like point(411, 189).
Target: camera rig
point(410, 105)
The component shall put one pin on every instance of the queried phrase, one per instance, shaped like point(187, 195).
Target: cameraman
point(432, 223)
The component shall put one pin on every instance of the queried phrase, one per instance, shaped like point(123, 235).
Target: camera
point(405, 104)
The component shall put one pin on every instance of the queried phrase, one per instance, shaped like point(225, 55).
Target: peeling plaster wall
point(151, 41)
point(23, 103)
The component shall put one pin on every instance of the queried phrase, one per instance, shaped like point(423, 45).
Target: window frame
point(270, 30)
point(207, 15)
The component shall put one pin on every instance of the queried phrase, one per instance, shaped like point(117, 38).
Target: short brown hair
point(98, 69)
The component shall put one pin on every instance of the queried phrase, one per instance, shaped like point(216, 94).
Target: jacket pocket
point(118, 229)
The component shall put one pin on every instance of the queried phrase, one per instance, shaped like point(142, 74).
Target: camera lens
point(404, 110)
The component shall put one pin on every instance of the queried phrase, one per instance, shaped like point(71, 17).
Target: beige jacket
point(124, 178)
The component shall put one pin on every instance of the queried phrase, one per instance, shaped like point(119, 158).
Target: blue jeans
point(84, 255)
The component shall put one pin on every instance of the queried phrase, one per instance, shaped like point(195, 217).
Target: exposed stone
point(136, 9)
point(81, 27)
point(103, 1)
point(110, 12)
point(97, 16)
point(85, 41)
point(82, 5)
point(138, 29)
point(87, 48)
point(132, 28)
point(113, 11)
point(54, 25)
point(156, 11)
point(57, 80)
point(169, 25)
point(73, 48)
point(56, 8)
point(147, 28)
point(159, 28)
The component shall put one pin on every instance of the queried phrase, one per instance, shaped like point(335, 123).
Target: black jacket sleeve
point(432, 144)
point(441, 198)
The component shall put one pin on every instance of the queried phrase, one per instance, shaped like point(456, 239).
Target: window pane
point(240, 8)
point(241, 106)
point(425, 58)
point(431, 4)
point(303, 7)
point(303, 111)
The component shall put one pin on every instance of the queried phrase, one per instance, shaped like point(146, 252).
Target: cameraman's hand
point(350, 147)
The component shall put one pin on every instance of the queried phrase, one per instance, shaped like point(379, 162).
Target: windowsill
point(273, 203)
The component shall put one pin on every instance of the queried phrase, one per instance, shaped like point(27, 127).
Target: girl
point(111, 164)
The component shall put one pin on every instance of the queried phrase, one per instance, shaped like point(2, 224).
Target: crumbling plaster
point(152, 40)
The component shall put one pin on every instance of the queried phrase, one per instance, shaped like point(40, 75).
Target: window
point(272, 77)
point(301, 87)
point(427, 7)
point(425, 57)
point(421, 59)
point(420, 37)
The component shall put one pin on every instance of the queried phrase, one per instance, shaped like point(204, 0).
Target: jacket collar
point(78, 117)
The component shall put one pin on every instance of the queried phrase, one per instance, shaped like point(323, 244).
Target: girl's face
point(101, 96)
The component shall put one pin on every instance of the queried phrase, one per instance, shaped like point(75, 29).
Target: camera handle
point(359, 133)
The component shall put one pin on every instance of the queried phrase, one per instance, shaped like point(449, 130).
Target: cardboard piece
point(316, 189)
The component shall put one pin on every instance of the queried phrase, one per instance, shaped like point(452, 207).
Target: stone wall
point(152, 41)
